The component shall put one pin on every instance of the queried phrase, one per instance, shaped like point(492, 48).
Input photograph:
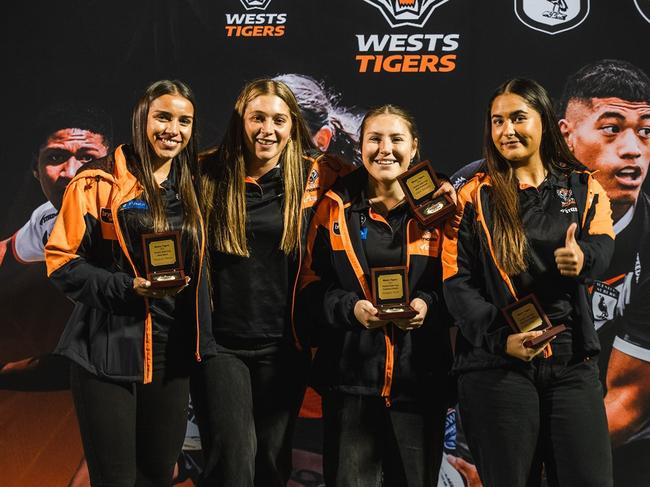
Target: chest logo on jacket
point(312, 181)
point(106, 215)
point(569, 204)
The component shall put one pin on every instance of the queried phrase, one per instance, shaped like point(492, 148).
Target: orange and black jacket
point(323, 170)
point(476, 288)
point(386, 362)
point(110, 330)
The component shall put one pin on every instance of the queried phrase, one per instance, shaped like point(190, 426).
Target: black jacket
point(386, 362)
point(110, 330)
point(476, 288)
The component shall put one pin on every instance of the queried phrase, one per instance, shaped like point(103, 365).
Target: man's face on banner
point(62, 154)
point(612, 136)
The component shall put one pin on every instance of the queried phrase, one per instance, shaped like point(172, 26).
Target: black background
point(108, 51)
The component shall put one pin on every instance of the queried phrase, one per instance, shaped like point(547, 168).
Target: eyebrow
point(516, 112)
point(167, 112)
point(262, 112)
point(611, 114)
point(84, 147)
point(381, 133)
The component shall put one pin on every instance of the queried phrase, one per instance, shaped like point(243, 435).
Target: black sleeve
point(480, 321)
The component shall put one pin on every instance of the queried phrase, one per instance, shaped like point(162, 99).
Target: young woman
point(259, 189)
point(132, 344)
point(533, 223)
point(384, 383)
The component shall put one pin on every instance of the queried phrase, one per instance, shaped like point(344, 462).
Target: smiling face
point(611, 136)
point(63, 153)
point(516, 129)
point(169, 126)
point(387, 147)
point(267, 129)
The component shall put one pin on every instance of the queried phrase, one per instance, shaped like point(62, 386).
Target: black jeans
point(132, 433)
point(549, 412)
point(365, 441)
point(631, 465)
point(247, 402)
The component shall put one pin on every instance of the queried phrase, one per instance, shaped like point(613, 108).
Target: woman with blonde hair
point(259, 188)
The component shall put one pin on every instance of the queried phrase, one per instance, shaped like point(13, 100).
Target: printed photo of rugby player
point(605, 119)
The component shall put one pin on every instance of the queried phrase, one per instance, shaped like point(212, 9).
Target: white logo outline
point(415, 19)
point(550, 29)
point(255, 4)
point(643, 14)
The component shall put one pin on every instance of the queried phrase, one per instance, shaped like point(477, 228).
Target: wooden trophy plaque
point(528, 315)
point(162, 257)
point(390, 293)
point(419, 183)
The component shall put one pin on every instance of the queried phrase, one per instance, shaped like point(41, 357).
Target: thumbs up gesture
point(570, 258)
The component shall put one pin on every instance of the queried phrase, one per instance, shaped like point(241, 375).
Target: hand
point(142, 288)
point(515, 345)
point(570, 258)
point(420, 306)
point(466, 469)
point(366, 314)
point(446, 188)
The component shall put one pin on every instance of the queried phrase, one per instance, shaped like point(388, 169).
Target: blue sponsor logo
point(135, 205)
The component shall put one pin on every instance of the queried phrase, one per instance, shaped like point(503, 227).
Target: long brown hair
point(187, 161)
point(223, 192)
point(508, 237)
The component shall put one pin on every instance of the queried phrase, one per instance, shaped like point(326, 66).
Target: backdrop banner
point(74, 69)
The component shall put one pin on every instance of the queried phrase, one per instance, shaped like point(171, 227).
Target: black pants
point(365, 441)
point(631, 465)
point(247, 402)
point(132, 434)
point(549, 412)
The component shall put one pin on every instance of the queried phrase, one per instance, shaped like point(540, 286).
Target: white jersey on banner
point(28, 243)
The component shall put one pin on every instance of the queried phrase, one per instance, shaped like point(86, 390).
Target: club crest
point(255, 4)
point(569, 204)
point(399, 13)
point(603, 301)
point(552, 16)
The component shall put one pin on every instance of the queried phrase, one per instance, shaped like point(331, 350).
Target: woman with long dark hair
point(259, 187)
point(131, 342)
point(535, 223)
point(383, 382)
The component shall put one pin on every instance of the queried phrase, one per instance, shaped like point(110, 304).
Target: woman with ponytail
point(534, 223)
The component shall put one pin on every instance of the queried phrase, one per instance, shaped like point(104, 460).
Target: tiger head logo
point(399, 13)
point(255, 4)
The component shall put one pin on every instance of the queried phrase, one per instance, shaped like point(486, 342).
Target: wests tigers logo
point(399, 13)
point(255, 4)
